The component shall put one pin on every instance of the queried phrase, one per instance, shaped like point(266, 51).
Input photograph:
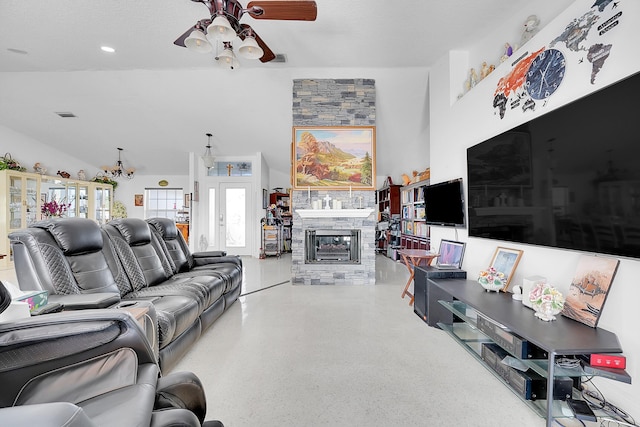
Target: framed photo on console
point(334, 158)
point(506, 260)
point(589, 288)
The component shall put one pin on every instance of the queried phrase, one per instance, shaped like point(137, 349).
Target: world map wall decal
point(536, 76)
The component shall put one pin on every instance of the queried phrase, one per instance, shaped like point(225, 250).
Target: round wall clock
point(545, 73)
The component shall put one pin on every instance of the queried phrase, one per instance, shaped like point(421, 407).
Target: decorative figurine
point(64, 174)
point(530, 29)
point(38, 168)
point(82, 176)
point(508, 51)
point(484, 71)
point(473, 78)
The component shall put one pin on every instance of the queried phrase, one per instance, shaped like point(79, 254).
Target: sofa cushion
point(175, 313)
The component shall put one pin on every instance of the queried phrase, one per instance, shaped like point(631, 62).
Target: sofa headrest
point(165, 226)
point(135, 231)
point(74, 235)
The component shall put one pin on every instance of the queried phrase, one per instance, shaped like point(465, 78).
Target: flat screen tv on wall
point(444, 204)
point(568, 179)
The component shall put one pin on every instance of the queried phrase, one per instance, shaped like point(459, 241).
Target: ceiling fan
point(224, 25)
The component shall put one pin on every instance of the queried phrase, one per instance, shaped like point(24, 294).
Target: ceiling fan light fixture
point(250, 49)
point(197, 42)
point(228, 59)
point(220, 28)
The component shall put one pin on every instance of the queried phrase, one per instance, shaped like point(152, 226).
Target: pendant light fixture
point(207, 158)
point(118, 170)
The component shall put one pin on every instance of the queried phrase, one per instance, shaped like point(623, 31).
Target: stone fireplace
point(334, 102)
point(351, 226)
point(332, 246)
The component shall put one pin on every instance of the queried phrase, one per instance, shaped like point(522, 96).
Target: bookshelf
point(414, 230)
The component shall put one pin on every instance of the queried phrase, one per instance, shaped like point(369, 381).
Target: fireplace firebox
point(332, 246)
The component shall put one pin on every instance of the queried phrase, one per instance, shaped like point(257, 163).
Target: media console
point(480, 320)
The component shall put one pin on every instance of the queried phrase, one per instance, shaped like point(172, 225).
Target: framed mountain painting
point(334, 158)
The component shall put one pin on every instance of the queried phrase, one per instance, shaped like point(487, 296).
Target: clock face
point(545, 73)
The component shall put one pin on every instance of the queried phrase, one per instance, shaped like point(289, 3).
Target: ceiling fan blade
point(180, 40)
point(268, 55)
point(293, 10)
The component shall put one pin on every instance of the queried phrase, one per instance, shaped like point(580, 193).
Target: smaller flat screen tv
point(444, 204)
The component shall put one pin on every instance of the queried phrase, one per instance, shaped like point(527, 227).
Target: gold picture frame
point(334, 158)
point(505, 260)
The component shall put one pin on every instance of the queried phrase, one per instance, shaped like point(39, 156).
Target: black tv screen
point(444, 204)
point(568, 179)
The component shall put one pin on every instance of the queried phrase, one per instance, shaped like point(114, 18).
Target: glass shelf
point(540, 366)
point(471, 339)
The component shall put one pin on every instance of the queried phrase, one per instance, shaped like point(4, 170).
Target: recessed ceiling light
point(65, 114)
point(108, 49)
point(20, 51)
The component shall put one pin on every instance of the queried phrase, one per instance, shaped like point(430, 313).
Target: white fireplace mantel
point(334, 213)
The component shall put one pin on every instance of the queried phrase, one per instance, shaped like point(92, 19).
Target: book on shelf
point(420, 214)
point(407, 212)
point(421, 229)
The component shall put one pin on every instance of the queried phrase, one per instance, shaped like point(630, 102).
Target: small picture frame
point(505, 260)
point(196, 191)
point(138, 199)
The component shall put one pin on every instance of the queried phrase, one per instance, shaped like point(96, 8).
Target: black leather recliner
point(89, 368)
point(83, 265)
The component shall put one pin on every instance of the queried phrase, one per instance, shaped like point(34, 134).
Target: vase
point(546, 311)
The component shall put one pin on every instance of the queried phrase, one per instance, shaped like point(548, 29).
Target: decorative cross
point(229, 167)
point(327, 199)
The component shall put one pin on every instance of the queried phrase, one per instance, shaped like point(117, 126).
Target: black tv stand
point(454, 305)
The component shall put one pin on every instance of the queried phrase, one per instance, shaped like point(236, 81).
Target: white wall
point(470, 120)
point(28, 151)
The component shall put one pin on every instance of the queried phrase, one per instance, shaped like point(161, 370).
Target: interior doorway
point(229, 222)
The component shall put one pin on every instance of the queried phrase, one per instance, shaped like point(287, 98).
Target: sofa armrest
point(209, 254)
point(204, 261)
point(85, 301)
point(45, 415)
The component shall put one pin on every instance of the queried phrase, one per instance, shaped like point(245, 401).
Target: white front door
point(228, 213)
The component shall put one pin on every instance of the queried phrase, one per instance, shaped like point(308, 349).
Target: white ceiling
point(157, 100)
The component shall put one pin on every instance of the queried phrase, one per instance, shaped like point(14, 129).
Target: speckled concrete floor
point(341, 356)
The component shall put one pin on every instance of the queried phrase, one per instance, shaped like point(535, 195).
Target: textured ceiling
point(157, 100)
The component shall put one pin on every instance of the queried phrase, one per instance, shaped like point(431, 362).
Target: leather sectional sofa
point(129, 262)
